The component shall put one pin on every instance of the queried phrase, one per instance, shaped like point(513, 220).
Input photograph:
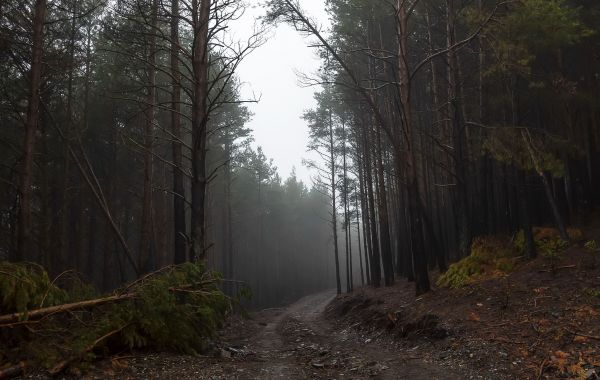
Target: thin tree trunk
point(384, 226)
point(147, 246)
point(346, 218)
point(417, 239)
point(227, 237)
point(81, 196)
point(333, 205)
point(560, 224)
point(458, 135)
point(24, 234)
point(365, 217)
point(179, 222)
point(375, 261)
point(64, 225)
point(360, 261)
point(524, 212)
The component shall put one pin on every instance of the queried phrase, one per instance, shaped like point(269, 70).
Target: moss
point(591, 246)
point(592, 292)
point(506, 265)
point(489, 256)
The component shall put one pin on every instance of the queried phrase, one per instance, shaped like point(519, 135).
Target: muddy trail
point(296, 342)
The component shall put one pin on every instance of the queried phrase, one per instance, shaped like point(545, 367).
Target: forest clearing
point(230, 189)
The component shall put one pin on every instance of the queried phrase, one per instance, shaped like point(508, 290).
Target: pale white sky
point(269, 73)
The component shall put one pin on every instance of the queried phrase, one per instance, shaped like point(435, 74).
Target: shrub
point(177, 308)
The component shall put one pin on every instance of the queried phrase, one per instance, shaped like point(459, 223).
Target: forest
point(129, 176)
point(112, 169)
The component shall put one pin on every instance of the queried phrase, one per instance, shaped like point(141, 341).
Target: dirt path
point(292, 343)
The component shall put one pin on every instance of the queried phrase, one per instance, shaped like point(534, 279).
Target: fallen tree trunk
point(33, 315)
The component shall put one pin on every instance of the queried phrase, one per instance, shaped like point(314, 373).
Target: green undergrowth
point(493, 256)
point(548, 241)
point(490, 255)
point(27, 286)
point(592, 247)
point(178, 308)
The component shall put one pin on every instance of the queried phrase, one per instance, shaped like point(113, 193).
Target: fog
point(138, 135)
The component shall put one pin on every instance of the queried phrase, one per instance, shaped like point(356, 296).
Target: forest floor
point(529, 324)
point(296, 342)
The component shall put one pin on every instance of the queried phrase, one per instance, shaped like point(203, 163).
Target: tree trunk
point(24, 234)
point(346, 218)
point(147, 246)
point(66, 206)
point(200, 65)
point(384, 226)
point(458, 136)
point(417, 240)
point(333, 205)
point(560, 224)
point(524, 212)
point(360, 261)
point(375, 261)
point(179, 223)
point(227, 237)
point(365, 217)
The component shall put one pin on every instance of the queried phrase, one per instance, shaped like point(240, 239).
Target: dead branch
point(583, 335)
point(558, 268)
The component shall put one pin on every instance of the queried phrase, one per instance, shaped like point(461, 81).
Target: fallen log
point(558, 268)
point(36, 314)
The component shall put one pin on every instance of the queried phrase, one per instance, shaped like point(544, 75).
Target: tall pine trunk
point(200, 67)
point(147, 246)
point(458, 135)
point(25, 225)
point(179, 222)
point(375, 261)
point(384, 226)
point(334, 225)
point(417, 239)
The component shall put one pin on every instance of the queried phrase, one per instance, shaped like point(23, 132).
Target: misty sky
point(269, 73)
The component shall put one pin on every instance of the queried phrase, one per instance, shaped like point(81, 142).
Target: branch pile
point(177, 308)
